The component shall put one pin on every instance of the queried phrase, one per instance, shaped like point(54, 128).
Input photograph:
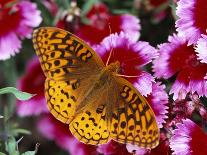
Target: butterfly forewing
point(68, 64)
point(62, 54)
point(133, 120)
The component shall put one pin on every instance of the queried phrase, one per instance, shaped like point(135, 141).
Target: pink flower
point(158, 100)
point(32, 82)
point(113, 148)
point(17, 19)
point(133, 56)
point(201, 49)
point(52, 129)
point(188, 139)
point(100, 18)
point(192, 19)
point(178, 58)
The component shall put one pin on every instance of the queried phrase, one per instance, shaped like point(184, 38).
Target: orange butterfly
point(81, 91)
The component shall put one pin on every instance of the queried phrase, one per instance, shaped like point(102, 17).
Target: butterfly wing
point(69, 65)
point(133, 120)
point(90, 127)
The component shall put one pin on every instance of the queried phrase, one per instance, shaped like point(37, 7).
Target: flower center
point(10, 16)
point(200, 15)
point(192, 61)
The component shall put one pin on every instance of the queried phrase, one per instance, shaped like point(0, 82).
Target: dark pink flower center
point(198, 144)
point(114, 148)
point(129, 61)
point(184, 61)
point(200, 17)
point(10, 16)
point(100, 29)
point(33, 81)
point(157, 2)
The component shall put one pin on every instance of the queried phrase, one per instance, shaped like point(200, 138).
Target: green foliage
point(11, 147)
point(9, 128)
point(18, 94)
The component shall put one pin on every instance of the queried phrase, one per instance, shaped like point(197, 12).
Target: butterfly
point(81, 91)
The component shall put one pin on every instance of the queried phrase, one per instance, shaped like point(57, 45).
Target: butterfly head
point(114, 66)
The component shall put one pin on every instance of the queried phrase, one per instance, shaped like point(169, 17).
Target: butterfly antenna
point(112, 49)
point(128, 76)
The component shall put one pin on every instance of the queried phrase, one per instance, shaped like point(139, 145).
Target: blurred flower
point(51, 6)
point(52, 129)
point(183, 109)
point(17, 19)
point(163, 148)
point(158, 100)
point(100, 19)
point(157, 3)
point(33, 82)
point(188, 139)
point(192, 19)
point(178, 58)
point(158, 9)
point(70, 19)
point(133, 56)
point(113, 148)
point(201, 49)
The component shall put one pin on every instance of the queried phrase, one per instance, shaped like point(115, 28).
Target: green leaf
point(32, 152)
point(19, 94)
point(45, 13)
point(1, 153)
point(11, 146)
point(20, 131)
point(29, 153)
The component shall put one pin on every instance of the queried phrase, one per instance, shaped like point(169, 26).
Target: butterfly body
point(81, 91)
point(98, 86)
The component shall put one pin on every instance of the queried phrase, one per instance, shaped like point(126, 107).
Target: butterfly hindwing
point(133, 120)
point(62, 96)
point(68, 64)
point(90, 126)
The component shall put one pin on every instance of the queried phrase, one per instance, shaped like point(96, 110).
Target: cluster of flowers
point(183, 59)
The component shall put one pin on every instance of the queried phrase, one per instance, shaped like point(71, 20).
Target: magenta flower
point(113, 148)
point(32, 82)
point(133, 56)
point(201, 49)
point(192, 19)
point(52, 129)
point(17, 19)
point(100, 19)
point(158, 100)
point(178, 58)
point(136, 150)
point(188, 139)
